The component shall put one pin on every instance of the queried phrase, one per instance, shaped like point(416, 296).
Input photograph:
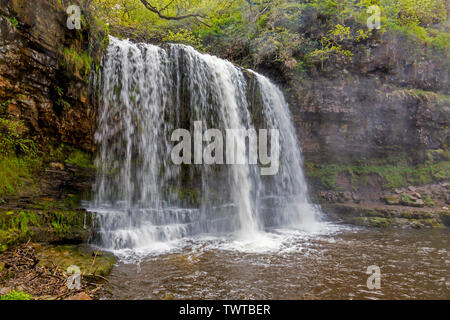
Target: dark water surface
point(414, 264)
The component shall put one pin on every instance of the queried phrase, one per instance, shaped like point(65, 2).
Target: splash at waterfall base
point(235, 139)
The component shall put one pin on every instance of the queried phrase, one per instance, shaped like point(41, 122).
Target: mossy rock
point(416, 224)
point(54, 226)
point(379, 222)
point(380, 213)
point(416, 215)
point(406, 200)
point(82, 256)
point(444, 217)
point(392, 200)
point(385, 217)
point(431, 223)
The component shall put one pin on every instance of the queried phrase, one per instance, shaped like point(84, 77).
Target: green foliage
point(80, 159)
point(12, 138)
point(277, 46)
point(14, 22)
point(21, 160)
point(16, 295)
point(67, 154)
point(273, 31)
point(417, 12)
point(15, 227)
point(79, 64)
point(18, 158)
point(184, 37)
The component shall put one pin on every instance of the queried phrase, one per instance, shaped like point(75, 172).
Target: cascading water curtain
point(146, 92)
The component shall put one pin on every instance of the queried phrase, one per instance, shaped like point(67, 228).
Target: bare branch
point(154, 9)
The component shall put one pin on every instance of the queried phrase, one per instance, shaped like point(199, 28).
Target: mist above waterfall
point(142, 197)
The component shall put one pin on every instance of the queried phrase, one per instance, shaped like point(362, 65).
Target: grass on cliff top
point(393, 176)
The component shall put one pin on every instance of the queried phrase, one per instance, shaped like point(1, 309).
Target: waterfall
point(141, 197)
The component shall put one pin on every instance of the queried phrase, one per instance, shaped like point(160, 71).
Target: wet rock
point(444, 217)
point(392, 200)
point(356, 198)
point(65, 256)
point(412, 197)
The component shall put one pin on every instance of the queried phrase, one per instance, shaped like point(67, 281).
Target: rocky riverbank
point(39, 272)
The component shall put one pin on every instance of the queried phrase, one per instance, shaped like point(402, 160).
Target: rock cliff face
point(391, 101)
point(34, 83)
point(375, 124)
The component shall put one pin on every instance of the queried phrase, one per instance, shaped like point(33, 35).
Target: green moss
point(19, 159)
point(15, 227)
point(16, 177)
point(23, 225)
point(428, 201)
point(406, 199)
point(82, 256)
point(326, 174)
point(394, 176)
point(16, 295)
point(14, 22)
point(379, 222)
point(376, 213)
point(416, 224)
point(76, 62)
point(67, 154)
point(80, 159)
point(432, 223)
